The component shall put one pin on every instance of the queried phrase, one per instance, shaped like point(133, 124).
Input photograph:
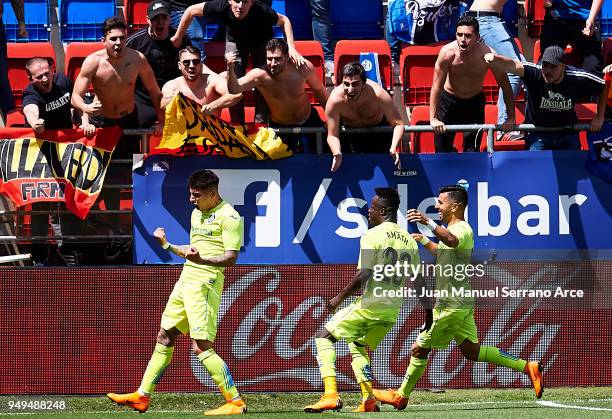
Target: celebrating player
point(193, 306)
point(452, 316)
point(367, 320)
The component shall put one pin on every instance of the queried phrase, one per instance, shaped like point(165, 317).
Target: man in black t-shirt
point(154, 43)
point(249, 26)
point(46, 100)
point(552, 91)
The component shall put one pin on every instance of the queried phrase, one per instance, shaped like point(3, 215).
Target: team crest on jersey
point(211, 219)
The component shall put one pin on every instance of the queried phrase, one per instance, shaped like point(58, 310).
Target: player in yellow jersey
point(452, 316)
point(215, 239)
point(367, 320)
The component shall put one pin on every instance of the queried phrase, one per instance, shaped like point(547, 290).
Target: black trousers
point(456, 111)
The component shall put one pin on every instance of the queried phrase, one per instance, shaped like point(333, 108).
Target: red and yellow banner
point(187, 132)
point(55, 166)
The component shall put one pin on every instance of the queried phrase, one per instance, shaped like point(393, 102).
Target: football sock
point(326, 357)
point(220, 374)
point(496, 356)
point(362, 369)
point(415, 370)
point(162, 355)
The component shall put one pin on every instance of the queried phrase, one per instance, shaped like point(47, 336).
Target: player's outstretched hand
point(396, 159)
point(333, 304)
point(414, 216)
point(160, 235)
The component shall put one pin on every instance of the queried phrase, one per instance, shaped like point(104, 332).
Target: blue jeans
point(6, 94)
point(195, 31)
point(321, 27)
point(552, 141)
point(493, 32)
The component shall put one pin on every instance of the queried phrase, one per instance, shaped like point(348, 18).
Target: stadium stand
point(37, 21)
point(135, 12)
point(534, 10)
point(351, 22)
point(348, 51)
point(607, 51)
point(417, 68)
point(585, 113)
point(81, 20)
point(423, 142)
point(606, 19)
point(18, 55)
point(500, 145)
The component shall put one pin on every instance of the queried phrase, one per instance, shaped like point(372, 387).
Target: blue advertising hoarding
point(296, 211)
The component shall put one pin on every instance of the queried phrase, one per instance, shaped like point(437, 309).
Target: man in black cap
point(154, 43)
point(552, 89)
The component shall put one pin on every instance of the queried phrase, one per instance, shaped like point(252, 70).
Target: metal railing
point(319, 133)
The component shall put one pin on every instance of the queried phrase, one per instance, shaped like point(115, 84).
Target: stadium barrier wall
point(296, 211)
point(92, 330)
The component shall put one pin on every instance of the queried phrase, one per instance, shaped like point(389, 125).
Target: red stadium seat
point(135, 14)
point(573, 57)
point(15, 119)
point(18, 55)
point(75, 55)
point(313, 52)
point(417, 69)
point(535, 17)
point(423, 142)
point(585, 113)
point(215, 56)
point(348, 51)
point(607, 51)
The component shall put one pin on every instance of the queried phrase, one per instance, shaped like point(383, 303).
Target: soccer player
point(367, 320)
point(452, 317)
point(193, 306)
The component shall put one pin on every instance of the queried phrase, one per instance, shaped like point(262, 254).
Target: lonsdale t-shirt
point(551, 105)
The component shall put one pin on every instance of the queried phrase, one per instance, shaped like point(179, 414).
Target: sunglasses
point(194, 62)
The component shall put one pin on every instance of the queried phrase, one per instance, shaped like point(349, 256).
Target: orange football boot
point(534, 370)
point(234, 407)
point(135, 400)
point(391, 397)
point(367, 406)
point(327, 402)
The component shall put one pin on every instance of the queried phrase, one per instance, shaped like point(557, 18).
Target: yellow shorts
point(449, 324)
point(192, 308)
point(352, 325)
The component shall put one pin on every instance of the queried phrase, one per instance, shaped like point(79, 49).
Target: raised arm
point(190, 13)
point(441, 233)
point(32, 116)
point(285, 24)
point(20, 15)
point(81, 85)
point(505, 64)
point(589, 26)
point(169, 90)
point(502, 80)
point(245, 83)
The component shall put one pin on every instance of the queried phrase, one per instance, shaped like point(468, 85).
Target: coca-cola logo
point(274, 316)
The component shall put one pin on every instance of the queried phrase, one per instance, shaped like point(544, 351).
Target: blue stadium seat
point(350, 21)
point(81, 20)
point(301, 18)
point(37, 21)
point(606, 19)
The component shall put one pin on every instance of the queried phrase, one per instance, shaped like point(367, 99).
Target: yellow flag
point(187, 131)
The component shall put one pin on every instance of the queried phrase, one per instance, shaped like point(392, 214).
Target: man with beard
point(113, 72)
point(456, 93)
point(553, 91)
point(208, 90)
point(154, 43)
point(359, 103)
point(281, 84)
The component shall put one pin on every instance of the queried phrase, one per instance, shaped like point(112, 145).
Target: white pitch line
point(570, 406)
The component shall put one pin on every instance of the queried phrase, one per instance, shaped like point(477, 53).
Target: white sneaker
point(510, 136)
point(329, 68)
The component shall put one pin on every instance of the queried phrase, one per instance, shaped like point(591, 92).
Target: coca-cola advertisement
point(92, 330)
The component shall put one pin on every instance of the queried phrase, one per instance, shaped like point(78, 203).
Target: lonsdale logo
point(33, 159)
